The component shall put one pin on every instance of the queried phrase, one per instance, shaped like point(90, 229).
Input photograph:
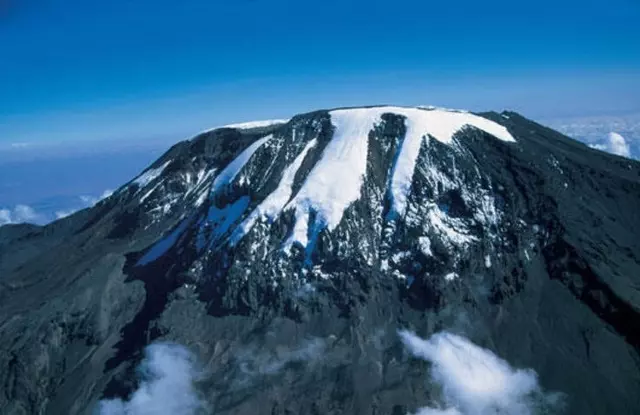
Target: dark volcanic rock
point(250, 247)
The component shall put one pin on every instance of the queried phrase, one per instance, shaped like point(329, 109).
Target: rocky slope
point(320, 238)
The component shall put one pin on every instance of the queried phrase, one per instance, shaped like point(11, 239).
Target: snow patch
point(451, 276)
point(163, 245)
point(424, 244)
point(219, 221)
point(450, 229)
point(271, 207)
point(150, 175)
point(441, 125)
point(255, 124)
point(336, 180)
point(229, 173)
point(398, 257)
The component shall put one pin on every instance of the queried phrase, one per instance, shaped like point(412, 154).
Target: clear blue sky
point(136, 69)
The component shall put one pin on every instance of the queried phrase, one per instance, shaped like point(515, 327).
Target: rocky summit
point(375, 260)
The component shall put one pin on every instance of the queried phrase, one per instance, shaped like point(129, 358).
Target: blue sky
point(140, 69)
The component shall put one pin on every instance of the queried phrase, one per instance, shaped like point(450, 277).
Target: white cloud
point(595, 131)
point(5, 216)
point(615, 144)
point(167, 388)
point(474, 380)
point(92, 200)
point(26, 214)
point(19, 214)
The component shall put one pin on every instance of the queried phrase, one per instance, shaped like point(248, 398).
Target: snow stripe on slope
point(246, 125)
point(164, 245)
point(231, 171)
point(255, 124)
point(336, 180)
point(271, 207)
point(150, 175)
point(442, 125)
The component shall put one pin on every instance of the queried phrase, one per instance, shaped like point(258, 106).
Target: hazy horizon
point(120, 70)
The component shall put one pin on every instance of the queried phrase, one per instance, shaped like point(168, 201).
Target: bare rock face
point(286, 256)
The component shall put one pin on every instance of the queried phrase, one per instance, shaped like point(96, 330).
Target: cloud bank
point(19, 214)
point(475, 381)
point(23, 213)
point(615, 144)
point(167, 385)
point(596, 132)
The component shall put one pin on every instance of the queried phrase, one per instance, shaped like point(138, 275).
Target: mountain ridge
point(522, 245)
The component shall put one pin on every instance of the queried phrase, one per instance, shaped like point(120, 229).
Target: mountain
point(289, 255)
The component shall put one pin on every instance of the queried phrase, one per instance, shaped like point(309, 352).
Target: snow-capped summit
point(334, 229)
point(340, 168)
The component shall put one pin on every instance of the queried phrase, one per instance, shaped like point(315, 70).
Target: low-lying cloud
point(23, 213)
point(475, 381)
point(167, 374)
point(19, 214)
point(253, 363)
point(615, 144)
point(595, 131)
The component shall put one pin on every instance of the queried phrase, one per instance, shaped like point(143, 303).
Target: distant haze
point(174, 68)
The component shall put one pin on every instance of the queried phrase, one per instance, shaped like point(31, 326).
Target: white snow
point(201, 198)
point(150, 175)
point(150, 192)
point(425, 245)
point(487, 261)
point(335, 182)
point(199, 187)
point(434, 107)
point(220, 221)
point(398, 257)
point(451, 276)
point(255, 124)
point(271, 207)
point(329, 194)
point(163, 245)
point(486, 213)
point(231, 171)
point(450, 229)
point(440, 124)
